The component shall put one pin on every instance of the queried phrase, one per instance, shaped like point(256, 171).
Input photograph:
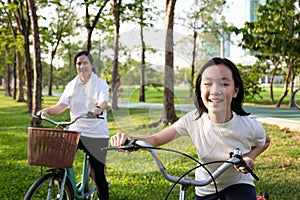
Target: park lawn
point(135, 176)
point(182, 96)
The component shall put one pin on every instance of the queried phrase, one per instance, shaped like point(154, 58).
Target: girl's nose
point(215, 90)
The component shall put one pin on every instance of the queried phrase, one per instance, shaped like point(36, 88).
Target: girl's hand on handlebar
point(249, 162)
point(118, 139)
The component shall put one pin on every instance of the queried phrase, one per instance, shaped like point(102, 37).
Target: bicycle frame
point(69, 173)
point(79, 191)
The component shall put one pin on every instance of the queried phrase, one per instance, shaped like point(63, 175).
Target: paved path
point(282, 117)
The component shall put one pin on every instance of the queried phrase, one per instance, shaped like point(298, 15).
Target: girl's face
point(84, 68)
point(217, 90)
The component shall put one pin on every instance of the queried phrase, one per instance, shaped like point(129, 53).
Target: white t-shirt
point(82, 98)
point(214, 142)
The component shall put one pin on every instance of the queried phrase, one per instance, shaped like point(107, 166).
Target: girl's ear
point(235, 92)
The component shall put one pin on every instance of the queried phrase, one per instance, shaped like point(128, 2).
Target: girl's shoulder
point(248, 119)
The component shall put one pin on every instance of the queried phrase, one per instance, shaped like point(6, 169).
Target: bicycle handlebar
point(65, 124)
point(236, 159)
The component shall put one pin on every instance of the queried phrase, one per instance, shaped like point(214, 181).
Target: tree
point(91, 26)
point(169, 113)
point(23, 21)
point(37, 64)
point(274, 38)
point(116, 9)
point(59, 28)
point(142, 14)
point(203, 17)
point(17, 51)
point(6, 59)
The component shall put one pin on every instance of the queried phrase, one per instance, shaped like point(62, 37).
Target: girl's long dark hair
point(236, 104)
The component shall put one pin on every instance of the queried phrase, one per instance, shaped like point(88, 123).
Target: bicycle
point(183, 181)
point(56, 148)
point(296, 98)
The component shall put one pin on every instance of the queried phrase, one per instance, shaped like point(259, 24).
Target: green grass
point(135, 176)
point(264, 97)
point(155, 95)
point(182, 95)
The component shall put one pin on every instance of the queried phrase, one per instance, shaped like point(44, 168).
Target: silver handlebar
point(139, 144)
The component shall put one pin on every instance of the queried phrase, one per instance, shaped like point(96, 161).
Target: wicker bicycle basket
point(51, 147)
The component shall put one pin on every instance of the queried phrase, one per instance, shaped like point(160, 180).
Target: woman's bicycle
point(296, 98)
point(183, 181)
point(56, 148)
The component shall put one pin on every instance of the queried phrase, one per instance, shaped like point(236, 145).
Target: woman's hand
point(118, 139)
point(98, 111)
point(43, 111)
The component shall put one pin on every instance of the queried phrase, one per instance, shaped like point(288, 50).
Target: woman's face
point(84, 68)
point(217, 90)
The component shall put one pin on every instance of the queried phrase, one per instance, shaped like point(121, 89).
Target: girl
point(216, 127)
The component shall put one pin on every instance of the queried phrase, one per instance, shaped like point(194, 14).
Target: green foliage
point(250, 76)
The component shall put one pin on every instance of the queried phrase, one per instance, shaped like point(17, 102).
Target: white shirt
point(82, 98)
point(214, 142)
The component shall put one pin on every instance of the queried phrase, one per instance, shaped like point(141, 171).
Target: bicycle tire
point(296, 98)
point(39, 189)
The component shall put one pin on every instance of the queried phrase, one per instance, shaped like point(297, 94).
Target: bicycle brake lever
point(251, 172)
point(242, 163)
point(129, 145)
point(91, 115)
point(238, 153)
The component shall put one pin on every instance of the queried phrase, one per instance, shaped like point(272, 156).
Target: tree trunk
point(142, 74)
point(50, 82)
point(28, 71)
point(193, 62)
point(286, 85)
point(7, 78)
point(20, 82)
point(271, 84)
point(37, 64)
point(116, 4)
point(23, 21)
point(15, 76)
point(169, 114)
point(292, 84)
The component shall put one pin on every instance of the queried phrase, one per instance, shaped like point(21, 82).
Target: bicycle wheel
point(48, 187)
point(296, 98)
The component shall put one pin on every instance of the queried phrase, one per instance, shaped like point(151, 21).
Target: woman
point(216, 127)
point(87, 92)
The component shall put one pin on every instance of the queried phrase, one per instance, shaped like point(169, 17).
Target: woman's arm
point(158, 139)
point(54, 110)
